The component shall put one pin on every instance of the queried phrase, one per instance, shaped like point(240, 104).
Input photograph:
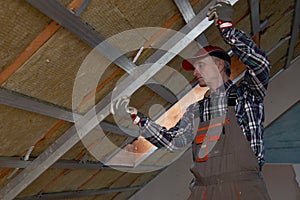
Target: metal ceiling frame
point(255, 19)
point(16, 162)
point(188, 14)
point(20, 101)
point(57, 12)
point(127, 87)
point(79, 193)
point(295, 33)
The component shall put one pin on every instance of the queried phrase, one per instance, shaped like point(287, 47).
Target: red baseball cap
point(187, 64)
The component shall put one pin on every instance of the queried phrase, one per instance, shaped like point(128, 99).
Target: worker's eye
point(198, 65)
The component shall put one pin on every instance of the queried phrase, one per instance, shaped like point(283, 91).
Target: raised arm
point(255, 59)
point(258, 66)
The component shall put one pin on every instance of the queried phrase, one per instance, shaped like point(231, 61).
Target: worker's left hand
point(221, 12)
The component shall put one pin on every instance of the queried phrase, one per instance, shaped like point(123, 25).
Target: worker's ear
point(220, 64)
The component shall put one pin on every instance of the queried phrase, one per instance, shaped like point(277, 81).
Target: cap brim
point(188, 64)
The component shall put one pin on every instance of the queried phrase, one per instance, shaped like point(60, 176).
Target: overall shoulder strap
point(232, 95)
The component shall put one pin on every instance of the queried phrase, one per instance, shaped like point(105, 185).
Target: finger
point(212, 11)
point(112, 109)
point(212, 7)
point(131, 110)
point(125, 104)
point(120, 101)
point(212, 16)
point(223, 1)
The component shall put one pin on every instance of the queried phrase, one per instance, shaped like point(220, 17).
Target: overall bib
point(225, 166)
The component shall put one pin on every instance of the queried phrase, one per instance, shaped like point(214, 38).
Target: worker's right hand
point(221, 12)
point(121, 109)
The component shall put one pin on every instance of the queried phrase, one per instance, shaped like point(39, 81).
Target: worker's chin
point(202, 84)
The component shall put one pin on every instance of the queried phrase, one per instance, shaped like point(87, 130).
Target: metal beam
point(102, 109)
point(79, 193)
point(54, 10)
point(188, 14)
point(255, 19)
point(24, 102)
point(20, 101)
point(17, 162)
point(295, 33)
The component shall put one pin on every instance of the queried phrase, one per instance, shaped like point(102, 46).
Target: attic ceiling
point(53, 73)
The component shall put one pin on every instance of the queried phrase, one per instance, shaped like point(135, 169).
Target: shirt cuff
point(222, 25)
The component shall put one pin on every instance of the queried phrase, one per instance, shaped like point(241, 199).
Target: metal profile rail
point(295, 33)
point(129, 85)
point(79, 193)
point(188, 14)
point(16, 162)
point(20, 101)
point(255, 19)
point(86, 33)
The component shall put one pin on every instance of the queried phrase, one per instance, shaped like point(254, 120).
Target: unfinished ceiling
point(53, 73)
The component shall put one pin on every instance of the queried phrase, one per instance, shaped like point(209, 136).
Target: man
point(226, 127)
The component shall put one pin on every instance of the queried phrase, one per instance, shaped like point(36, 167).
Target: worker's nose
point(196, 72)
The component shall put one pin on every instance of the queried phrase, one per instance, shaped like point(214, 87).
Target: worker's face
point(208, 71)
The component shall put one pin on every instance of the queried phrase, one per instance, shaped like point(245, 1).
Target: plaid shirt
point(249, 102)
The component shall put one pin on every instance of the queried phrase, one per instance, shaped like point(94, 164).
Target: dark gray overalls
point(225, 166)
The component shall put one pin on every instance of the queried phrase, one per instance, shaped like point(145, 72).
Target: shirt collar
point(220, 90)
